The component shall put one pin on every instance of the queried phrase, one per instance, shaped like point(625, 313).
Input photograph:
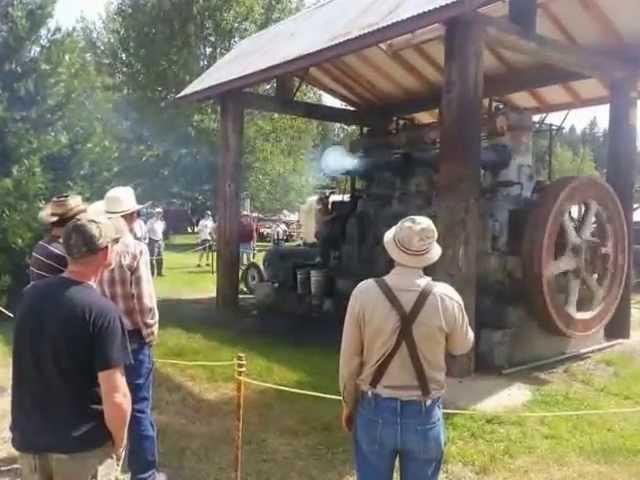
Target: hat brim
point(99, 208)
point(415, 261)
point(46, 215)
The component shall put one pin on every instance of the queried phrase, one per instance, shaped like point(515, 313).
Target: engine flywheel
point(575, 255)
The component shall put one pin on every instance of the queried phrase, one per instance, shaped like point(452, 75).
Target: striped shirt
point(48, 259)
point(130, 286)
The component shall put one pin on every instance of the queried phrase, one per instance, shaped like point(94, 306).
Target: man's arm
point(144, 294)
point(460, 337)
point(351, 358)
point(116, 401)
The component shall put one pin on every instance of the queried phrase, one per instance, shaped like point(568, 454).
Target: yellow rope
point(196, 364)
point(456, 412)
point(289, 389)
point(310, 393)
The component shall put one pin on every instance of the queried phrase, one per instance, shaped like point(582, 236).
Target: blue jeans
point(143, 444)
point(388, 428)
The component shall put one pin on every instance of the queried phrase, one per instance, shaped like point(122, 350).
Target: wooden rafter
point(561, 107)
point(361, 82)
point(495, 87)
point(345, 83)
point(425, 56)
point(409, 68)
point(562, 29)
point(507, 65)
point(296, 108)
point(318, 83)
point(367, 62)
point(558, 24)
point(595, 12)
point(504, 34)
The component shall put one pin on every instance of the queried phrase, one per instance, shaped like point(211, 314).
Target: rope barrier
point(290, 389)
point(196, 364)
point(310, 393)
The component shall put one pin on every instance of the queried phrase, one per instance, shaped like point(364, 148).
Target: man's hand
point(347, 419)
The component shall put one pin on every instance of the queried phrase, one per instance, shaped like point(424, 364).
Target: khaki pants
point(97, 464)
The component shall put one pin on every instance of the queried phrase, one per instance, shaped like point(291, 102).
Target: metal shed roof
point(370, 53)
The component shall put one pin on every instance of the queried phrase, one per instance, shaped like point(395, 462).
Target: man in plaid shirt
point(129, 285)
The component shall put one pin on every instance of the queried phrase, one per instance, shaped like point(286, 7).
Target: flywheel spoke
point(586, 227)
point(592, 284)
point(570, 230)
point(573, 293)
point(564, 264)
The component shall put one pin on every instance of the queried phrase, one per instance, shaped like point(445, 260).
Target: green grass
point(291, 437)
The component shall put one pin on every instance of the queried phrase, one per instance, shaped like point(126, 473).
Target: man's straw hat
point(413, 242)
point(62, 207)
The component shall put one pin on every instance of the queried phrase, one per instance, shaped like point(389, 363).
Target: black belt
point(136, 338)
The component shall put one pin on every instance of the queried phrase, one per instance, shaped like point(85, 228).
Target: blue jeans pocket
point(429, 440)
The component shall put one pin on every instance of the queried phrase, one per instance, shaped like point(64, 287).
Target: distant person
point(206, 234)
point(325, 231)
point(278, 234)
point(70, 404)
point(48, 258)
point(129, 285)
point(157, 228)
point(397, 332)
point(247, 236)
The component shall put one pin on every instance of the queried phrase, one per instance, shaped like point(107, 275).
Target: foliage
point(152, 50)
point(26, 115)
point(567, 163)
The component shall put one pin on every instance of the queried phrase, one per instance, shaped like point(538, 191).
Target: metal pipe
point(567, 356)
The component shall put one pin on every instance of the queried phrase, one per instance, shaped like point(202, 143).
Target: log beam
point(459, 180)
point(495, 87)
point(285, 87)
point(621, 175)
point(312, 111)
point(504, 34)
point(228, 200)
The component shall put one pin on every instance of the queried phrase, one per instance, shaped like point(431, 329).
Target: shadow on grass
point(285, 437)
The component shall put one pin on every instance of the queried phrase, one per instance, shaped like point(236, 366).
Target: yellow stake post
point(241, 369)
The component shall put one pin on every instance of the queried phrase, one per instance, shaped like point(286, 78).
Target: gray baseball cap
point(88, 235)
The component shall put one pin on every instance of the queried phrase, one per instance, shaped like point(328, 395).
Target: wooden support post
point(459, 180)
point(228, 204)
point(524, 14)
point(285, 87)
point(621, 175)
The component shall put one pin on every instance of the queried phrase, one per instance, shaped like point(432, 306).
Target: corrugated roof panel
point(312, 30)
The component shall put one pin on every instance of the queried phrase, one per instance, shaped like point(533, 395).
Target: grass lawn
point(292, 437)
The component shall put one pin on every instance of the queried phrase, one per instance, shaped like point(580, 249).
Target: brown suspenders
point(405, 335)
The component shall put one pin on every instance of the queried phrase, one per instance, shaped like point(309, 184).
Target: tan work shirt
point(371, 328)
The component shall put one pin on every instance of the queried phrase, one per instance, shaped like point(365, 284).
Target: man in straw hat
point(397, 332)
point(129, 285)
point(70, 401)
point(48, 258)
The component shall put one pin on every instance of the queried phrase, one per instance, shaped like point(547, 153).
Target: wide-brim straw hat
point(413, 242)
point(118, 202)
point(62, 207)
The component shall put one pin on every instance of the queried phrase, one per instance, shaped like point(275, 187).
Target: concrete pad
point(488, 393)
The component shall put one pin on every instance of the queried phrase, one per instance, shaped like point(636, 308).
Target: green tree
point(25, 118)
point(152, 50)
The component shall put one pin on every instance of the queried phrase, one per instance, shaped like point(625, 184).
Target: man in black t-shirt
point(70, 402)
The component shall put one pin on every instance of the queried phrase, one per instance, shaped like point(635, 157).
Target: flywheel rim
point(575, 256)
